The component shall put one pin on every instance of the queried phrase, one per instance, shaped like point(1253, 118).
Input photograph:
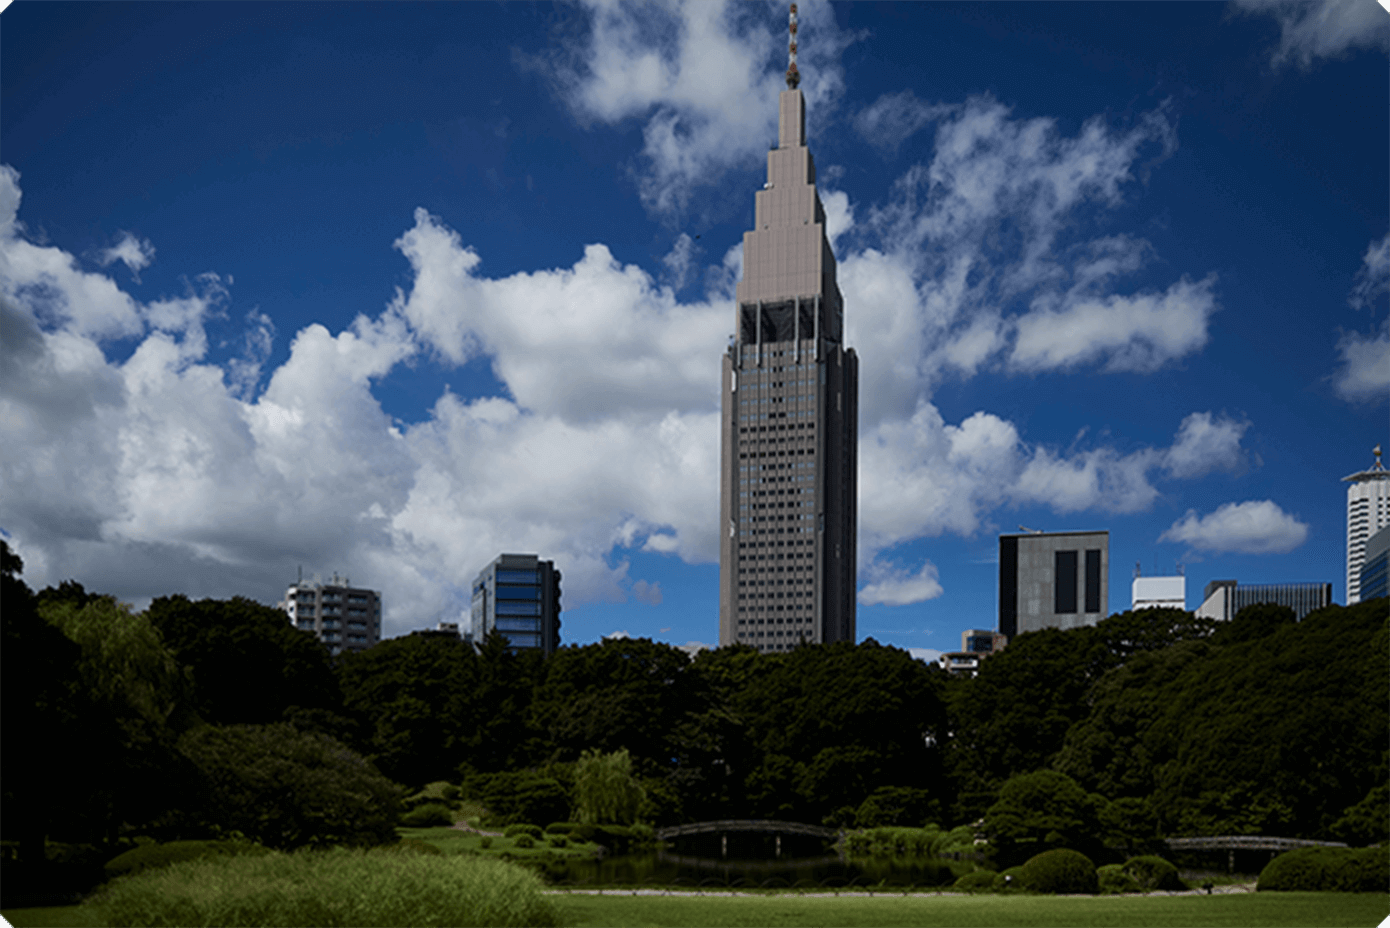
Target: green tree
point(142, 700)
point(45, 714)
point(832, 723)
point(605, 791)
point(1041, 811)
point(419, 699)
point(285, 788)
point(249, 665)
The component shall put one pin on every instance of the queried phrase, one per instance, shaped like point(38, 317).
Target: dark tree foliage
point(1278, 734)
point(249, 664)
point(833, 723)
point(621, 693)
point(46, 718)
point(1014, 716)
point(1043, 811)
point(285, 789)
point(712, 748)
point(1254, 621)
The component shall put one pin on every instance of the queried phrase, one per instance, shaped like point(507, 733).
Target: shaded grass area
point(1263, 909)
point(1218, 911)
point(454, 842)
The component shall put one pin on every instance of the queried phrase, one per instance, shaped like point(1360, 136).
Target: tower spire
point(793, 75)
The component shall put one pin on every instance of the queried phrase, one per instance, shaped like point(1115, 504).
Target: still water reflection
point(751, 860)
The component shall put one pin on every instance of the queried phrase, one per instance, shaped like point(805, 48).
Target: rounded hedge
point(523, 840)
point(521, 828)
point(1154, 873)
point(1113, 880)
point(1328, 869)
point(1060, 871)
point(429, 815)
point(980, 881)
point(1009, 881)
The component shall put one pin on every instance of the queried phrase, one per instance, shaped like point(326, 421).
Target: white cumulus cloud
point(1365, 369)
point(1253, 527)
point(892, 585)
point(132, 251)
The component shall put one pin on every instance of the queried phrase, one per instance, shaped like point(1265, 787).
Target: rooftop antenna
point(1030, 531)
point(301, 573)
point(1138, 572)
point(793, 75)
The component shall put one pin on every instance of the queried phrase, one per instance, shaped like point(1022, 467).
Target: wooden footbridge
point(1232, 843)
point(724, 827)
point(762, 826)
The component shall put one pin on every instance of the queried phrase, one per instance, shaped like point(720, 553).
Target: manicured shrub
point(561, 828)
point(485, 842)
point(521, 828)
point(1113, 880)
point(429, 815)
point(980, 881)
point(1153, 873)
point(328, 888)
point(523, 840)
point(1059, 871)
point(1328, 869)
point(1010, 881)
point(153, 856)
point(557, 840)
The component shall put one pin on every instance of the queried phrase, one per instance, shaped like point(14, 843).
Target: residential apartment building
point(342, 616)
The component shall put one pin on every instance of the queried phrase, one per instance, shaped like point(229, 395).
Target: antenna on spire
point(793, 75)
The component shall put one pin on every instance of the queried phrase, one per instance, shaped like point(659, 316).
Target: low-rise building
point(1222, 599)
point(342, 616)
point(1158, 593)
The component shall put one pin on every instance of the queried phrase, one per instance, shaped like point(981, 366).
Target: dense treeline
point(197, 719)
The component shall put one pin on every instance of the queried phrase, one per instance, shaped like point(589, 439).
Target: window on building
point(1064, 582)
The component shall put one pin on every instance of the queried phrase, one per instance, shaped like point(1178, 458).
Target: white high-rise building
point(1368, 511)
point(342, 616)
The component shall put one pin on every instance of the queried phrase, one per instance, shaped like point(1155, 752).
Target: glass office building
point(518, 596)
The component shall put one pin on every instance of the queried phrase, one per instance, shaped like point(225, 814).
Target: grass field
point(1244, 909)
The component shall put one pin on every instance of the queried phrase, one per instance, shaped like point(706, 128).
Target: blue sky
point(388, 289)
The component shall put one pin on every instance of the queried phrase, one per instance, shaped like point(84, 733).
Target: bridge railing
point(765, 826)
point(1245, 843)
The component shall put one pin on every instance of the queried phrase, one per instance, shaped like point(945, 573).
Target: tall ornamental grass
point(369, 888)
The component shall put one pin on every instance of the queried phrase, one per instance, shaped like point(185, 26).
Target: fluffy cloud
point(1206, 443)
point(132, 251)
point(1365, 369)
point(1326, 29)
point(700, 77)
point(1253, 527)
point(894, 586)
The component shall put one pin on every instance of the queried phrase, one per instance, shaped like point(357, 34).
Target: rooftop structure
point(1158, 593)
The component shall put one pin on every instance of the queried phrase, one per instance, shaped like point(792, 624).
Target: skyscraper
point(790, 394)
point(1368, 511)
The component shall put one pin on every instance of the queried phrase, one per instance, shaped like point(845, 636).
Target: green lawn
point(1265, 910)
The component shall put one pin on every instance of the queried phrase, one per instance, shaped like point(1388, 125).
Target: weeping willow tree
point(605, 791)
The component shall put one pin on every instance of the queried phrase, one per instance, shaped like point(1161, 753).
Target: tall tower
point(1368, 511)
point(789, 470)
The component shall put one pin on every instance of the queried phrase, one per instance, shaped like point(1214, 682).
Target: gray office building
point(1053, 580)
point(1222, 599)
point(788, 478)
point(518, 596)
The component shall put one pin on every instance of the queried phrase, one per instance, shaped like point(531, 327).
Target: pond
point(751, 860)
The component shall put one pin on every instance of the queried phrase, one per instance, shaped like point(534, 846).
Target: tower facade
point(790, 397)
point(518, 596)
point(1368, 511)
point(1053, 580)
